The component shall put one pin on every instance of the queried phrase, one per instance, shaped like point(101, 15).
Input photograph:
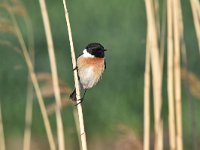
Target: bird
point(90, 66)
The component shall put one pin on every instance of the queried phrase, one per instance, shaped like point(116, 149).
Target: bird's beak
point(105, 49)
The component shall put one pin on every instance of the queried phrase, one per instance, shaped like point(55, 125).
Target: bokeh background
point(113, 110)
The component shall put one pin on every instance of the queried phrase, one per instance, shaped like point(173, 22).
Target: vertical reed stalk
point(170, 81)
point(196, 17)
point(79, 107)
point(156, 71)
point(28, 118)
point(34, 80)
point(60, 131)
point(147, 98)
point(75, 113)
point(191, 109)
point(177, 77)
point(162, 37)
point(29, 99)
point(156, 12)
point(2, 140)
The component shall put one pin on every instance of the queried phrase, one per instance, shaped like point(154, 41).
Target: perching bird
point(90, 65)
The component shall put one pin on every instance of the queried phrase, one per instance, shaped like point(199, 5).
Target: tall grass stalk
point(155, 5)
point(28, 117)
point(163, 36)
point(146, 140)
point(60, 131)
point(191, 109)
point(2, 138)
point(170, 79)
point(76, 118)
point(156, 72)
point(195, 4)
point(34, 80)
point(77, 85)
point(177, 77)
point(29, 99)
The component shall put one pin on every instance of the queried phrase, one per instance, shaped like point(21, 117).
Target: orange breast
point(97, 65)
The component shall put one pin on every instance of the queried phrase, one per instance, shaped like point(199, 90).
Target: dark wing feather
point(105, 63)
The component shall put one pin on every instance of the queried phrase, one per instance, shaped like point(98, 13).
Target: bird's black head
point(96, 49)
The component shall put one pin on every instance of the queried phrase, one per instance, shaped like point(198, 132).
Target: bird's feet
point(80, 101)
point(76, 68)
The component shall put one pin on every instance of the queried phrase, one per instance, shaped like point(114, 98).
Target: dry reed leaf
point(6, 27)
point(47, 88)
point(10, 45)
point(18, 8)
point(47, 91)
point(64, 102)
point(193, 82)
point(19, 11)
point(44, 76)
point(128, 140)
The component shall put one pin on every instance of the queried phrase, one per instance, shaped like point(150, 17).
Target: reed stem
point(60, 130)
point(77, 85)
point(28, 117)
point(30, 90)
point(2, 138)
point(34, 81)
point(195, 5)
point(177, 75)
point(147, 99)
point(156, 72)
point(170, 79)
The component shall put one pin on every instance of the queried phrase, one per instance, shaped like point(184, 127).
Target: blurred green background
point(117, 101)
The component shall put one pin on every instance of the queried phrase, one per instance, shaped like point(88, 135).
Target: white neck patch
point(86, 54)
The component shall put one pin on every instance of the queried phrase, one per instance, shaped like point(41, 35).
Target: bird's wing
point(105, 63)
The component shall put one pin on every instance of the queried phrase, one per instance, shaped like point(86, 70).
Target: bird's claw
point(81, 100)
point(75, 68)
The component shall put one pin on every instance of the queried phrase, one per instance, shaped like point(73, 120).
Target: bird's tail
point(73, 95)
